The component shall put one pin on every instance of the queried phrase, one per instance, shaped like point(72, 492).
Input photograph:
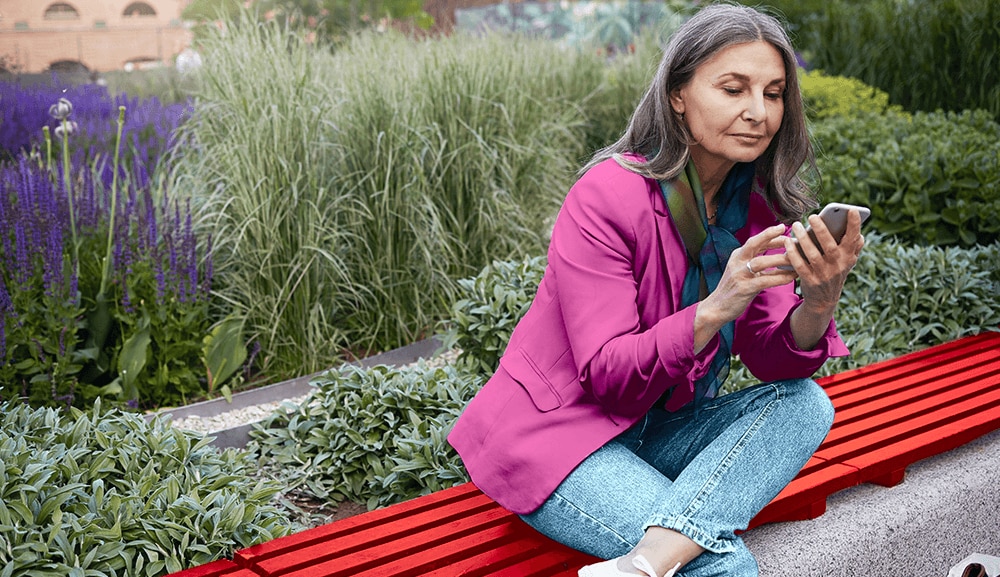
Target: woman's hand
point(748, 272)
point(822, 274)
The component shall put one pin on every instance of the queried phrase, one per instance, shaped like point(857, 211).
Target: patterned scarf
point(709, 247)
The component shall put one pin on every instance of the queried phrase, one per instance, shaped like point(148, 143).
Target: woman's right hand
point(748, 272)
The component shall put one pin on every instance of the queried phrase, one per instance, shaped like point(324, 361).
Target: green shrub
point(375, 435)
point(933, 178)
point(927, 54)
point(495, 300)
point(902, 298)
point(899, 298)
point(827, 96)
point(108, 494)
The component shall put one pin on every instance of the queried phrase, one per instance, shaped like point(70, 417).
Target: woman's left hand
point(824, 269)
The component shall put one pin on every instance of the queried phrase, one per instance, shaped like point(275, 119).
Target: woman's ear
point(677, 102)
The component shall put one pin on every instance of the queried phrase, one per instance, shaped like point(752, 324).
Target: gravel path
point(254, 413)
point(234, 418)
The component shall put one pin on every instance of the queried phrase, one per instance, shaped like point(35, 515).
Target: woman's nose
point(755, 111)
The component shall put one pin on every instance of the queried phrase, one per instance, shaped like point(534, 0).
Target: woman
point(601, 428)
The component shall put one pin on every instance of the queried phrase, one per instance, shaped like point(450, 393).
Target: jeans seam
point(595, 520)
point(713, 480)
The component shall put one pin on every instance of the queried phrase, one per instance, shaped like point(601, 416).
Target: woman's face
point(733, 105)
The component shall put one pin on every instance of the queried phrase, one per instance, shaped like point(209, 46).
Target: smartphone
point(834, 216)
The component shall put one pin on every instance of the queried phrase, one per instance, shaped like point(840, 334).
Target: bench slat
point(387, 543)
point(551, 563)
point(418, 555)
point(871, 437)
point(509, 543)
point(915, 362)
point(885, 465)
point(530, 544)
point(461, 498)
point(927, 398)
point(905, 389)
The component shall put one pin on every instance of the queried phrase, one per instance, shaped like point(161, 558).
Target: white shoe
point(610, 568)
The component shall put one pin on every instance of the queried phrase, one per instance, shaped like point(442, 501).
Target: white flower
point(70, 128)
point(61, 110)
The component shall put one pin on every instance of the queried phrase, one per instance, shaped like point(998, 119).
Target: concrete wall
point(101, 35)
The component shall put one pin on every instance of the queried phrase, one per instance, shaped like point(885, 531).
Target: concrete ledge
point(239, 436)
point(947, 508)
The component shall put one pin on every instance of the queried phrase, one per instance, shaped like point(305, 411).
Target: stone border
point(945, 509)
point(238, 437)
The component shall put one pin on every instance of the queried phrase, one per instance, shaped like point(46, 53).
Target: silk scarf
point(709, 247)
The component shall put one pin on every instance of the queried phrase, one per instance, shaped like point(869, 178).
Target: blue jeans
point(703, 473)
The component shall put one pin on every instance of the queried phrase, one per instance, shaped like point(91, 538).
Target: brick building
point(95, 35)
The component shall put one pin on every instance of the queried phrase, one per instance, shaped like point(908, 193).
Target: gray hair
point(656, 132)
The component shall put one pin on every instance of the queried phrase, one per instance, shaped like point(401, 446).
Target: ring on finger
point(750, 268)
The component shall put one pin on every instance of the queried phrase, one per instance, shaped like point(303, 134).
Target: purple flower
point(161, 282)
point(126, 300)
point(6, 308)
point(23, 263)
point(801, 61)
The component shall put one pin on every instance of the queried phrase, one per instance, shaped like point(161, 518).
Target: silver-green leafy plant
point(493, 302)
point(370, 435)
point(109, 494)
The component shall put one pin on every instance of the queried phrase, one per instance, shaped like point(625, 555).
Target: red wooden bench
point(888, 415)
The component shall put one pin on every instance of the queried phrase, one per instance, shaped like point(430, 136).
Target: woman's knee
point(810, 404)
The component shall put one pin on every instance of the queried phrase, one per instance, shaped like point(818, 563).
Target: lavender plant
point(148, 131)
point(105, 287)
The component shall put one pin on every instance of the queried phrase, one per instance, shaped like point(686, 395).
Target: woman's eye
point(774, 95)
point(731, 90)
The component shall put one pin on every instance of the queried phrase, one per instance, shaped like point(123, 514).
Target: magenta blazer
point(606, 337)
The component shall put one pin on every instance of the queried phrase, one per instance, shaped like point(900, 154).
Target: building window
point(61, 11)
point(138, 10)
point(20, 25)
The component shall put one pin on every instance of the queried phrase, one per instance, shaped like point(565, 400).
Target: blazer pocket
point(523, 369)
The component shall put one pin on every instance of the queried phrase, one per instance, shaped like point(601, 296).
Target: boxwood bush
point(102, 493)
point(933, 178)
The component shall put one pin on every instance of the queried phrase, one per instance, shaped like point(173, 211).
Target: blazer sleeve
point(763, 338)
point(599, 239)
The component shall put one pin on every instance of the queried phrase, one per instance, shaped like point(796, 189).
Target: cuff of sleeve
point(675, 341)
point(829, 345)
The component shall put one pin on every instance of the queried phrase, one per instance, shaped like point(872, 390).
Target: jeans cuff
point(686, 527)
